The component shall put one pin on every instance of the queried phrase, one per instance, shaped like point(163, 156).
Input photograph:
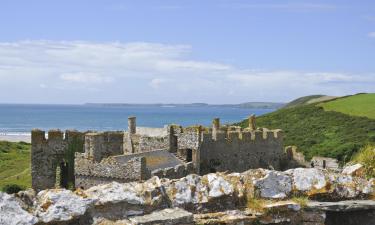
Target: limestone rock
point(274, 185)
point(11, 212)
point(310, 180)
point(354, 170)
point(58, 205)
point(166, 216)
point(218, 186)
point(114, 193)
point(188, 190)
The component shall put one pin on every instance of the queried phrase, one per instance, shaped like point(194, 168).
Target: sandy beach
point(16, 138)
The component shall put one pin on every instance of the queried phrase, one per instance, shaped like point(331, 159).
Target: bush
point(366, 157)
point(12, 188)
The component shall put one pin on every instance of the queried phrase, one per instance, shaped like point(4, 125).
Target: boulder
point(310, 181)
point(11, 212)
point(57, 205)
point(354, 170)
point(218, 186)
point(275, 185)
point(187, 190)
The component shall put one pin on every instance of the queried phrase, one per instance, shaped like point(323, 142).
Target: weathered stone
point(61, 205)
point(218, 186)
point(11, 212)
point(274, 185)
point(354, 170)
point(311, 180)
point(166, 216)
point(188, 190)
point(342, 206)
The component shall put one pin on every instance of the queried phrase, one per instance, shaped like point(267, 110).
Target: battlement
point(243, 135)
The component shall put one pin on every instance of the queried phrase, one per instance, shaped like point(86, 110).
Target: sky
point(184, 51)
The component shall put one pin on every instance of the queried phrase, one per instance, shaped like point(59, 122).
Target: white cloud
point(76, 72)
point(81, 77)
point(371, 34)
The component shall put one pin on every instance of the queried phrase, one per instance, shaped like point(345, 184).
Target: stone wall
point(49, 154)
point(102, 145)
point(136, 143)
point(178, 171)
point(237, 151)
point(90, 173)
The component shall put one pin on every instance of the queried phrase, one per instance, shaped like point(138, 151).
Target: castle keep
point(85, 159)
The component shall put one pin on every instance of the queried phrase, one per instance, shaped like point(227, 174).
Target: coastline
point(16, 138)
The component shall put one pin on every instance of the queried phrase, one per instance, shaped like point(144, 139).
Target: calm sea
point(20, 119)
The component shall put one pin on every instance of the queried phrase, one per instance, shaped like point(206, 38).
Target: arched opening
point(189, 155)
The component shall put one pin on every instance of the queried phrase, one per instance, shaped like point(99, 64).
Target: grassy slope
point(302, 101)
point(14, 164)
point(318, 132)
point(356, 105)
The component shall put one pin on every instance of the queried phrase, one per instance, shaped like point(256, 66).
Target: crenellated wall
point(239, 150)
point(47, 154)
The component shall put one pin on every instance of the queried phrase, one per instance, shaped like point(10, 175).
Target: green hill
point(15, 164)
point(325, 133)
point(356, 105)
point(309, 100)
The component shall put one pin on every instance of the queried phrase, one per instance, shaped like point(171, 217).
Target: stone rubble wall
point(178, 171)
point(89, 173)
point(48, 153)
point(100, 145)
point(240, 150)
point(229, 198)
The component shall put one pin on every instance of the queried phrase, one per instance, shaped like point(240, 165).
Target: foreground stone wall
point(253, 197)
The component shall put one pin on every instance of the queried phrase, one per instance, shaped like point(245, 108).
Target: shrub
point(12, 188)
point(366, 157)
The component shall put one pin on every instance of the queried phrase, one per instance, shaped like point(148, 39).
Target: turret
point(215, 127)
point(132, 127)
point(252, 123)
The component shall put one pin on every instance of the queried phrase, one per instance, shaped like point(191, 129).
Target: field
point(15, 164)
point(356, 105)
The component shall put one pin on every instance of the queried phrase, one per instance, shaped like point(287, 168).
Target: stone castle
point(84, 159)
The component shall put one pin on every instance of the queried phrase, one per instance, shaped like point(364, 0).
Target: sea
point(17, 119)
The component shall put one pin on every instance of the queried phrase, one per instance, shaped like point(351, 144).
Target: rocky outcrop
point(11, 212)
point(354, 170)
point(254, 195)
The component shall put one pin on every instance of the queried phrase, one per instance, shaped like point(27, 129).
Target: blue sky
point(223, 51)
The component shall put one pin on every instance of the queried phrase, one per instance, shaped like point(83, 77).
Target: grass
point(356, 105)
point(301, 200)
point(15, 164)
point(317, 132)
point(302, 101)
point(366, 157)
point(256, 204)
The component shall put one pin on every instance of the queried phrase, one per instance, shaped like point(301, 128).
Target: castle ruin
point(84, 159)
